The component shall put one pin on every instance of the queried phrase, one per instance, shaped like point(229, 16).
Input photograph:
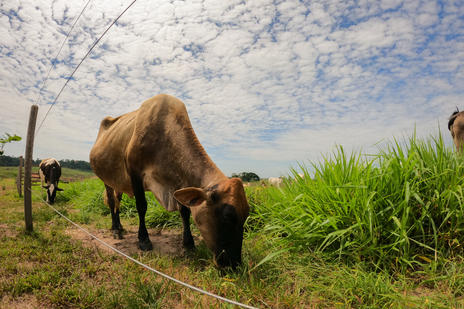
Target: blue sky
point(267, 83)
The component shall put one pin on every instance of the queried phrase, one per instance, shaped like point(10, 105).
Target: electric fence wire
point(82, 60)
point(59, 51)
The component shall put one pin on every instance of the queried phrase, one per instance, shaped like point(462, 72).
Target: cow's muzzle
point(224, 259)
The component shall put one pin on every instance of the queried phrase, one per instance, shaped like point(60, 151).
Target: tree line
point(74, 164)
point(246, 176)
point(85, 166)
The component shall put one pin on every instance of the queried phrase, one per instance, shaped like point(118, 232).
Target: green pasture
point(357, 231)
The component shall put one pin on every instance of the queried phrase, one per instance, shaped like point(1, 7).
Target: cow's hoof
point(117, 234)
point(189, 245)
point(145, 245)
point(187, 242)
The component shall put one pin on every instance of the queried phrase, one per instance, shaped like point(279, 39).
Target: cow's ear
point(190, 197)
point(46, 187)
point(59, 189)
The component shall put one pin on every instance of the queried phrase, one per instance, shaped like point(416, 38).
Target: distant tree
point(8, 139)
point(76, 164)
point(246, 176)
point(9, 161)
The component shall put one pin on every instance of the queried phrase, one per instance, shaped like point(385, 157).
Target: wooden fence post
point(19, 179)
point(28, 167)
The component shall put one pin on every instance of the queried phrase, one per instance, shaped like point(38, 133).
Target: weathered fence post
point(19, 179)
point(28, 168)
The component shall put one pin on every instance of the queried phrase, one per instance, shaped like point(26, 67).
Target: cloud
point(266, 83)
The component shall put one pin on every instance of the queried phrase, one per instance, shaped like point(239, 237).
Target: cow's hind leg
point(113, 200)
point(141, 203)
point(188, 239)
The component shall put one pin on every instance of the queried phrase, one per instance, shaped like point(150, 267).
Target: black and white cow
point(50, 173)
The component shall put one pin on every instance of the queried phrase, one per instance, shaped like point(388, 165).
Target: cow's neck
point(201, 169)
point(203, 174)
point(214, 177)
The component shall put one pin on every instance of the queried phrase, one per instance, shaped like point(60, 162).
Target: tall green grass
point(401, 208)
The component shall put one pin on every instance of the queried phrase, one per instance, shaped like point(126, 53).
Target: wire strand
point(82, 60)
point(144, 265)
point(59, 51)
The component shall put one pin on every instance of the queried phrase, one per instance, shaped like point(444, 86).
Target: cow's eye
point(214, 197)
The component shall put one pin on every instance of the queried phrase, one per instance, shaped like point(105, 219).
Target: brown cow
point(155, 149)
point(456, 126)
point(50, 173)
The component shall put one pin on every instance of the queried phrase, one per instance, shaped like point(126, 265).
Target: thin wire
point(59, 51)
point(82, 60)
point(146, 266)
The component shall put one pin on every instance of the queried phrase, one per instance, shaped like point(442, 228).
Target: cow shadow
point(166, 243)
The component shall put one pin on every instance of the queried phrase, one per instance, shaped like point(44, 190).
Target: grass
point(327, 240)
point(401, 209)
point(8, 172)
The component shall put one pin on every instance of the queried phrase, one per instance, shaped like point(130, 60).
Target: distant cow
point(50, 173)
point(155, 149)
point(275, 181)
point(456, 126)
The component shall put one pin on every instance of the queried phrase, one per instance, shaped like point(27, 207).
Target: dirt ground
point(165, 242)
point(23, 302)
point(6, 231)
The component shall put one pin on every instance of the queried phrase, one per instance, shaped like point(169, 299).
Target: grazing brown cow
point(50, 173)
point(456, 126)
point(155, 149)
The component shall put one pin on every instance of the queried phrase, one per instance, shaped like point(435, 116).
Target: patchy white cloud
point(267, 84)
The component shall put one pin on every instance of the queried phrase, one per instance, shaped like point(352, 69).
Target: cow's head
point(456, 127)
point(219, 213)
point(52, 187)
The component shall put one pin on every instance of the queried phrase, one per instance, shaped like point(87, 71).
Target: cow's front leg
point(141, 203)
point(112, 200)
point(188, 239)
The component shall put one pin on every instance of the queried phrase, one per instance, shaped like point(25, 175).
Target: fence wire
point(59, 51)
point(82, 60)
point(233, 302)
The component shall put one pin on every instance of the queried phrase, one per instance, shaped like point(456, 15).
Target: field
point(379, 231)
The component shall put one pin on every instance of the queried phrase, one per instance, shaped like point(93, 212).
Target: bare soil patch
point(7, 231)
point(165, 241)
point(26, 301)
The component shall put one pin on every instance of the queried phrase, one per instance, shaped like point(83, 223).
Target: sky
point(267, 84)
